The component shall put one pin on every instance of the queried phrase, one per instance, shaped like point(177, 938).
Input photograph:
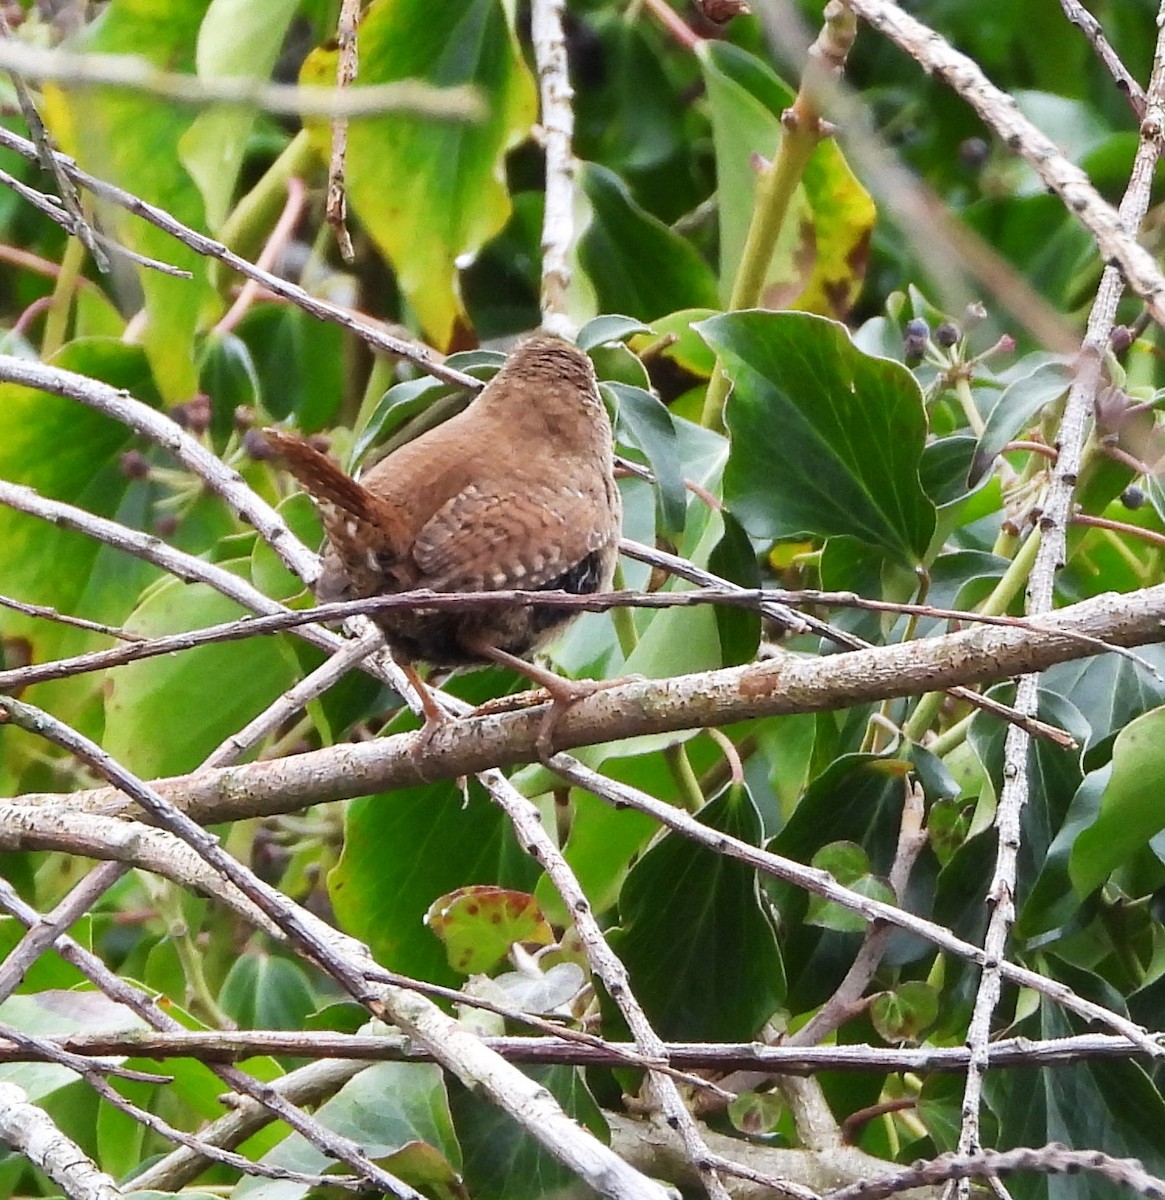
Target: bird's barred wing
point(486, 539)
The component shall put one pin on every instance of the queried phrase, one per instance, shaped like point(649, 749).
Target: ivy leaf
point(689, 915)
point(431, 193)
point(636, 264)
point(826, 440)
point(820, 258)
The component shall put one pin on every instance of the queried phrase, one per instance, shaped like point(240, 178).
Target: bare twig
point(1136, 531)
point(250, 1112)
point(34, 827)
point(71, 909)
point(30, 1130)
point(606, 965)
point(294, 699)
point(846, 1000)
point(48, 161)
point(121, 406)
point(792, 683)
point(797, 621)
point(50, 614)
point(136, 74)
point(457, 1049)
point(1047, 1160)
point(94, 1075)
point(218, 1047)
point(346, 68)
point(51, 207)
point(1050, 556)
point(265, 1098)
point(375, 336)
point(340, 610)
point(935, 55)
point(549, 43)
point(667, 16)
point(1092, 30)
point(822, 884)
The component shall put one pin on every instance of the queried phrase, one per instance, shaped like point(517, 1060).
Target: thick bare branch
point(784, 685)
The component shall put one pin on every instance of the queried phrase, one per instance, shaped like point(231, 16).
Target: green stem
point(680, 766)
point(167, 900)
point(777, 181)
point(951, 739)
point(253, 216)
point(57, 319)
point(1008, 587)
point(1013, 579)
point(967, 401)
point(775, 187)
point(624, 619)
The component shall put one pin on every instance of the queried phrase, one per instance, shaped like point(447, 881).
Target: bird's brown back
point(515, 491)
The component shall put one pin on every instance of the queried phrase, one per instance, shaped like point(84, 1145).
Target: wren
point(516, 491)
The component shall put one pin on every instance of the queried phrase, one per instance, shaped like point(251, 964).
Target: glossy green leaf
point(264, 991)
point(857, 798)
point(238, 39)
point(601, 845)
point(636, 264)
point(848, 864)
point(905, 1013)
point(820, 259)
point(299, 363)
point(501, 1161)
point(825, 440)
point(384, 1109)
point(1130, 812)
point(227, 374)
point(944, 467)
point(1015, 410)
point(647, 425)
point(734, 559)
point(676, 339)
point(404, 850)
point(1112, 1107)
point(608, 328)
point(688, 917)
point(408, 409)
point(432, 192)
point(71, 453)
point(133, 139)
point(1111, 688)
point(164, 715)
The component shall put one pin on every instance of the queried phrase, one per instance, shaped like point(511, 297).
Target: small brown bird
point(516, 491)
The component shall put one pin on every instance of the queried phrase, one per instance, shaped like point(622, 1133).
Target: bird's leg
point(435, 716)
point(431, 710)
point(563, 692)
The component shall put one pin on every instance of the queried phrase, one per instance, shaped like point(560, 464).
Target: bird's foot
point(435, 718)
point(563, 693)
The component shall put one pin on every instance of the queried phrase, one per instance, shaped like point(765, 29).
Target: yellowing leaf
point(479, 925)
point(133, 140)
point(431, 193)
point(820, 257)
